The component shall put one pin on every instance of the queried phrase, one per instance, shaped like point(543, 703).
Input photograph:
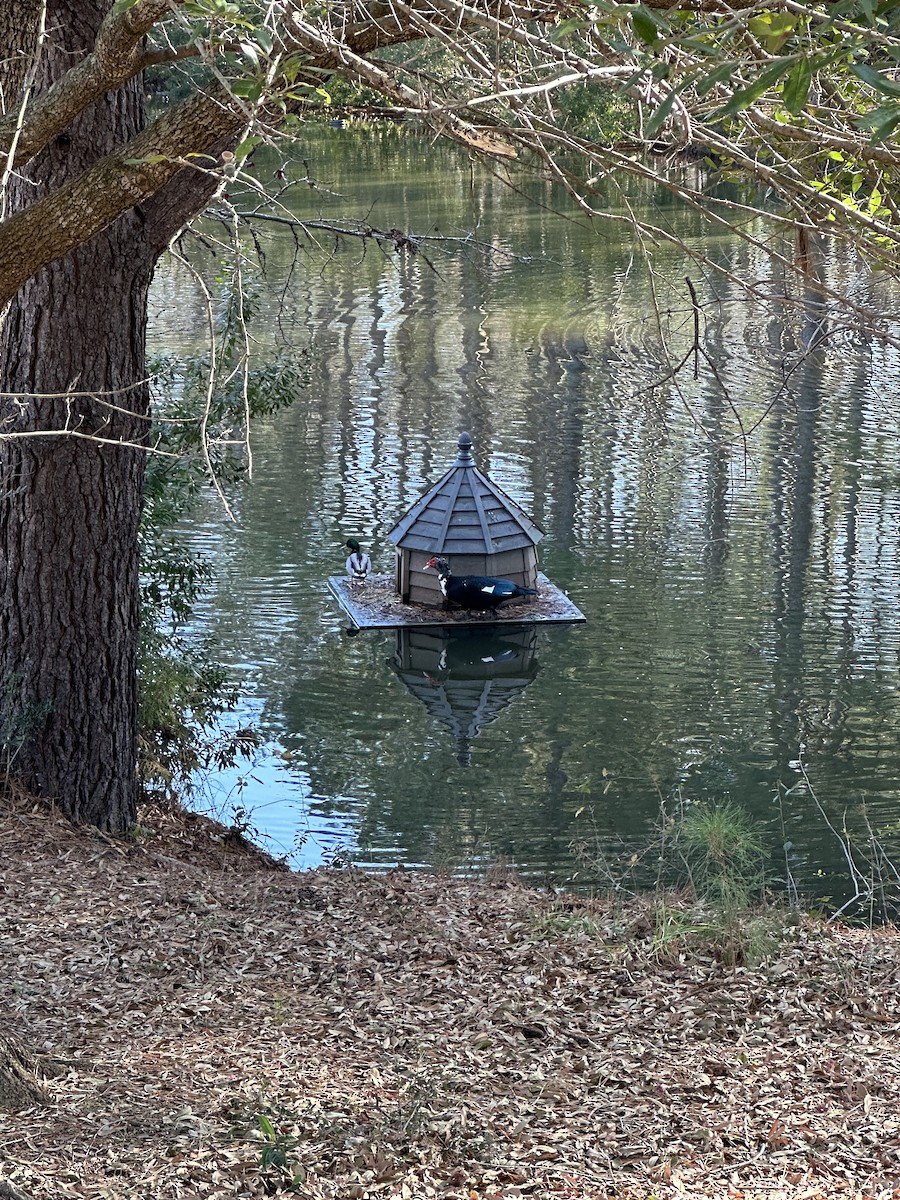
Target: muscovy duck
point(475, 591)
point(358, 564)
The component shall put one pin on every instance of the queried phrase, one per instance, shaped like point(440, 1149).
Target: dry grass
point(221, 1028)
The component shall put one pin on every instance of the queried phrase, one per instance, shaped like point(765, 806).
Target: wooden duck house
point(471, 522)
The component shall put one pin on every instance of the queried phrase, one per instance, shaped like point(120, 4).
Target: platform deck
point(373, 604)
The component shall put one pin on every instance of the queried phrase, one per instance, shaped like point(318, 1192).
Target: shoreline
point(216, 1025)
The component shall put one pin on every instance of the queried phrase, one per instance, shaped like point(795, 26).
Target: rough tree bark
point(20, 1084)
point(9, 1191)
point(20, 1087)
point(72, 359)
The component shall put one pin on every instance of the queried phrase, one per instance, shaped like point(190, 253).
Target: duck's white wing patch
point(488, 589)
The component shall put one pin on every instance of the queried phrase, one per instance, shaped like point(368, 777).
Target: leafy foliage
point(777, 91)
point(767, 92)
point(183, 692)
point(803, 99)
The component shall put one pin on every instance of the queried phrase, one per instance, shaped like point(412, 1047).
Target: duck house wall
point(423, 588)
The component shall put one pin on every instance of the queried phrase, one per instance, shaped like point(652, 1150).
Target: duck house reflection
point(466, 676)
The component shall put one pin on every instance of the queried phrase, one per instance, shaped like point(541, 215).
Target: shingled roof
point(465, 513)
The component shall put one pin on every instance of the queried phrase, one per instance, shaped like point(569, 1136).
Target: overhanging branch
point(70, 216)
point(117, 57)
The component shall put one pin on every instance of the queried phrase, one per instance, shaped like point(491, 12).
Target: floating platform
point(374, 604)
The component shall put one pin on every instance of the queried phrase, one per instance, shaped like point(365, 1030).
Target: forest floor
point(214, 1026)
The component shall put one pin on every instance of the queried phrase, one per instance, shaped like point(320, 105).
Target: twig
point(696, 307)
point(210, 381)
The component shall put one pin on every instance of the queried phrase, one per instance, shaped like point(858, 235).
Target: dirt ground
point(214, 1026)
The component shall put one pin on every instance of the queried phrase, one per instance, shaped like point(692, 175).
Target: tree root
point(9, 1191)
point(19, 1078)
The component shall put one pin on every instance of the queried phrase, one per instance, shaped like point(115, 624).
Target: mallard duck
point(358, 563)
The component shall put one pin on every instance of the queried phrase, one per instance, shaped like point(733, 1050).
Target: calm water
point(741, 591)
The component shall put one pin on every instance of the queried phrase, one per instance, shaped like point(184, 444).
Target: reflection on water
point(732, 539)
point(466, 677)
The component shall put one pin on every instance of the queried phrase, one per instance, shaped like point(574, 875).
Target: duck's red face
point(432, 564)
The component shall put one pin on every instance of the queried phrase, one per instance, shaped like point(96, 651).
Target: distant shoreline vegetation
point(589, 110)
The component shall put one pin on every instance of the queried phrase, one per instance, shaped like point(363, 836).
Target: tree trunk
point(72, 370)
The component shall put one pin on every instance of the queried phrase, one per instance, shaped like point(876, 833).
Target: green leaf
point(772, 29)
point(212, 8)
point(660, 116)
point(247, 146)
point(273, 1156)
point(719, 75)
point(292, 66)
point(147, 161)
point(646, 25)
point(121, 6)
point(247, 89)
point(875, 79)
point(796, 89)
point(882, 121)
point(746, 96)
point(266, 1126)
point(566, 28)
point(882, 131)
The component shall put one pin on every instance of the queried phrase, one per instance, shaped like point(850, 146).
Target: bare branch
point(211, 382)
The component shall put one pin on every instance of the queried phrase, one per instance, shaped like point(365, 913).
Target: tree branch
point(70, 216)
point(116, 58)
point(172, 167)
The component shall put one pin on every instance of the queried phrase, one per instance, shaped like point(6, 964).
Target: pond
point(731, 538)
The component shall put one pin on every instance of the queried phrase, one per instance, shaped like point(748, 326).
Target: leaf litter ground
point(214, 1026)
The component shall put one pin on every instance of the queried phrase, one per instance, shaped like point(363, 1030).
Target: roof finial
point(464, 446)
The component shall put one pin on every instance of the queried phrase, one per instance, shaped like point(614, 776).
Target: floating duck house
point(471, 522)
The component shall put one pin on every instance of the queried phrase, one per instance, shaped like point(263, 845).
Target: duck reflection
point(466, 677)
